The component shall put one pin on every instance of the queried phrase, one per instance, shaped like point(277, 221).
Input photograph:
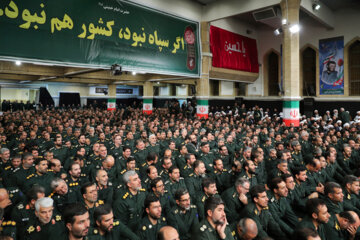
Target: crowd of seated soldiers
point(279, 179)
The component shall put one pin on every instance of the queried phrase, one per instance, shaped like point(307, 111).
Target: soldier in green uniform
point(77, 222)
point(221, 176)
point(192, 145)
point(342, 226)
point(7, 228)
point(153, 145)
point(23, 213)
point(151, 160)
point(107, 228)
point(104, 187)
point(43, 176)
point(63, 194)
point(18, 177)
point(206, 156)
point(188, 168)
point(316, 216)
point(129, 206)
point(248, 172)
point(351, 186)
point(296, 153)
point(306, 149)
point(258, 210)
point(215, 225)
point(116, 149)
point(209, 190)
point(140, 153)
point(180, 159)
point(279, 206)
point(175, 181)
point(235, 199)
point(157, 188)
point(165, 166)
point(74, 180)
point(184, 216)
point(193, 182)
point(245, 229)
point(153, 221)
point(46, 225)
point(60, 152)
point(90, 199)
point(122, 160)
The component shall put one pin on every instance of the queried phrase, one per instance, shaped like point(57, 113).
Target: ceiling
point(339, 4)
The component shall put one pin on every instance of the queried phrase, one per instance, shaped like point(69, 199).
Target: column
point(111, 106)
point(202, 84)
point(291, 63)
point(148, 98)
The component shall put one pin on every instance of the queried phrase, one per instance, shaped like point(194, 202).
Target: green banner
point(88, 33)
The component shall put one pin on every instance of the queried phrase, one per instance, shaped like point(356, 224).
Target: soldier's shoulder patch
point(50, 170)
point(142, 190)
point(116, 223)
point(58, 218)
point(191, 174)
point(181, 178)
point(123, 171)
point(192, 206)
point(30, 176)
point(136, 169)
point(17, 169)
point(125, 195)
point(233, 233)
point(7, 168)
point(143, 165)
point(203, 199)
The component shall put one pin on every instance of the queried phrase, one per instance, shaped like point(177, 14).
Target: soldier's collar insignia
point(348, 196)
point(337, 227)
point(30, 229)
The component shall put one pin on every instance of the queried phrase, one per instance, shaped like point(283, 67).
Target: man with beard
point(188, 168)
point(73, 180)
point(351, 191)
point(18, 178)
point(184, 216)
point(107, 228)
point(206, 156)
point(8, 170)
point(129, 204)
point(258, 210)
point(90, 199)
point(126, 154)
point(280, 208)
point(153, 145)
point(192, 145)
point(157, 188)
point(316, 216)
point(215, 225)
point(104, 187)
point(77, 222)
point(46, 225)
point(175, 181)
point(108, 165)
point(235, 199)
point(193, 182)
point(42, 176)
point(152, 222)
point(62, 195)
point(209, 190)
point(140, 153)
point(60, 152)
point(180, 159)
point(249, 172)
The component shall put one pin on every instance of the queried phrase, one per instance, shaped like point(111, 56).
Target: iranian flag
point(202, 108)
point(291, 112)
point(147, 106)
point(111, 105)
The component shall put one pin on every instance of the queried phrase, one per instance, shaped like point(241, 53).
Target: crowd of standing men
point(240, 174)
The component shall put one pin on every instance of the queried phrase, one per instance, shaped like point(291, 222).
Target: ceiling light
point(316, 6)
point(294, 28)
point(278, 31)
point(133, 73)
point(284, 21)
point(18, 63)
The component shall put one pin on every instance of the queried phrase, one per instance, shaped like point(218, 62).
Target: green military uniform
point(106, 193)
point(193, 183)
point(208, 159)
point(173, 186)
point(252, 178)
point(116, 152)
point(148, 231)
point(8, 228)
point(119, 231)
point(186, 171)
point(298, 159)
point(200, 201)
point(223, 179)
point(153, 148)
point(21, 215)
point(333, 230)
point(129, 208)
point(53, 230)
point(207, 232)
point(264, 220)
point(282, 212)
point(61, 153)
point(60, 201)
point(140, 155)
point(233, 205)
point(18, 177)
point(306, 149)
point(43, 180)
point(308, 223)
point(185, 222)
point(91, 210)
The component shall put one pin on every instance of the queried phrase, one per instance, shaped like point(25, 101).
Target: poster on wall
point(331, 66)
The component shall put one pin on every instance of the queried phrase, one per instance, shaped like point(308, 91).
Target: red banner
point(233, 51)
